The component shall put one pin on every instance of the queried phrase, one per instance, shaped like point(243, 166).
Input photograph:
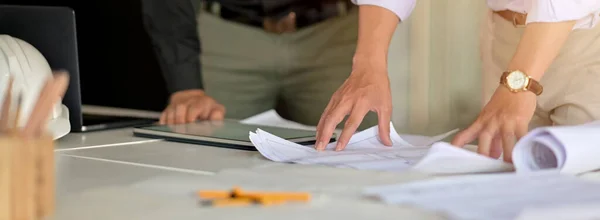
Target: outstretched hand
point(503, 121)
point(367, 89)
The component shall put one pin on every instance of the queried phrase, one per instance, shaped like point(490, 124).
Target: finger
point(496, 148)
point(51, 94)
point(508, 141)
point(218, 113)
point(321, 123)
point(350, 127)
point(171, 115)
point(180, 113)
point(195, 111)
point(6, 106)
point(468, 135)
point(206, 109)
point(384, 117)
point(163, 117)
point(329, 123)
point(325, 113)
point(485, 138)
point(521, 130)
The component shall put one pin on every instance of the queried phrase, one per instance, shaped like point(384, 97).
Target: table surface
point(114, 175)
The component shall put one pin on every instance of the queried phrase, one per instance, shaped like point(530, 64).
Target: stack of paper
point(490, 196)
point(569, 149)
point(364, 151)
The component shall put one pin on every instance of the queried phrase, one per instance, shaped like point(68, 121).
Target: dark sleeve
point(171, 25)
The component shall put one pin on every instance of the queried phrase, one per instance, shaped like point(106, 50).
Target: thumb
point(468, 135)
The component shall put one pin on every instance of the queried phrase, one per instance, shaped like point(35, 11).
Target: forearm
point(540, 44)
point(172, 27)
point(376, 27)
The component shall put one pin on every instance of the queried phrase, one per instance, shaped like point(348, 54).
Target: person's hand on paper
point(52, 93)
point(368, 87)
point(503, 121)
point(191, 105)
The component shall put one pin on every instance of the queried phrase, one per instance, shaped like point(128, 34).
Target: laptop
point(52, 30)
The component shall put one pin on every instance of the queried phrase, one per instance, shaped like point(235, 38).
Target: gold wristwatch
point(517, 81)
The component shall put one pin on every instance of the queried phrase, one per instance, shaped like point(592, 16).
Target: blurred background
point(434, 64)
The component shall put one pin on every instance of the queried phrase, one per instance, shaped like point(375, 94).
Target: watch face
point(517, 80)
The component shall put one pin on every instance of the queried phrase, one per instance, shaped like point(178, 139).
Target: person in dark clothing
point(237, 58)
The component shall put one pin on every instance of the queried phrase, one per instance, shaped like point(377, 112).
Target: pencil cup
point(27, 183)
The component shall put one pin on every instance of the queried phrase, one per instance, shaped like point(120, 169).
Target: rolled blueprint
point(566, 149)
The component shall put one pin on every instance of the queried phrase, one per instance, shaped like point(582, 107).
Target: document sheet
point(569, 149)
point(271, 118)
point(575, 211)
point(365, 152)
point(490, 196)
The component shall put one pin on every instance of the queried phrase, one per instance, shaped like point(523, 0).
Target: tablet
point(225, 133)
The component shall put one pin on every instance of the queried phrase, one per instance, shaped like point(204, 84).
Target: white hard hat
point(30, 71)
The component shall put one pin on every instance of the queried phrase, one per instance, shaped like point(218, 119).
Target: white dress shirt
point(586, 12)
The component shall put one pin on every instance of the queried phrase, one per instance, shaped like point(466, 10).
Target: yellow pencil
point(238, 197)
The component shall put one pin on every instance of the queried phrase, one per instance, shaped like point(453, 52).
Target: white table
point(105, 179)
point(98, 190)
point(96, 139)
point(113, 175)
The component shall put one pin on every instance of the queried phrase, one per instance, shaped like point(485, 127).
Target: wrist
point(375, 60)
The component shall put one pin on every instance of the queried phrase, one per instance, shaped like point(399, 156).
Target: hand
point(367, 89)
point(52, 92)
point(191, 105)
point(502, 122)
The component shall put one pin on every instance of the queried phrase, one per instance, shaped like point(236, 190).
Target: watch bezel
point(525, 84)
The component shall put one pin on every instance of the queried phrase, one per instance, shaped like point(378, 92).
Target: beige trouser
point(250, 71)
point(571, 84)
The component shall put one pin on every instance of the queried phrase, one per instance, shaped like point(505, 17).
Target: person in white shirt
point(541, 62)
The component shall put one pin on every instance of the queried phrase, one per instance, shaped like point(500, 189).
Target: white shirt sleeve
point(561, 10)
point(402, 8)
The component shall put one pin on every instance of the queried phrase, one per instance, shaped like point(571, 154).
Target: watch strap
point(535, 87)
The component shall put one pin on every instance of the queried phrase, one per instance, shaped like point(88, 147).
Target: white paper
point(579, 211)
point(499, 196)
point(365, 152)
point(444, 158)
point(271, 118)
point(570, 149)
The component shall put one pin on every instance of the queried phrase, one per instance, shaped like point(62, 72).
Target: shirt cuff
point(561, 10)
point(402, 8)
